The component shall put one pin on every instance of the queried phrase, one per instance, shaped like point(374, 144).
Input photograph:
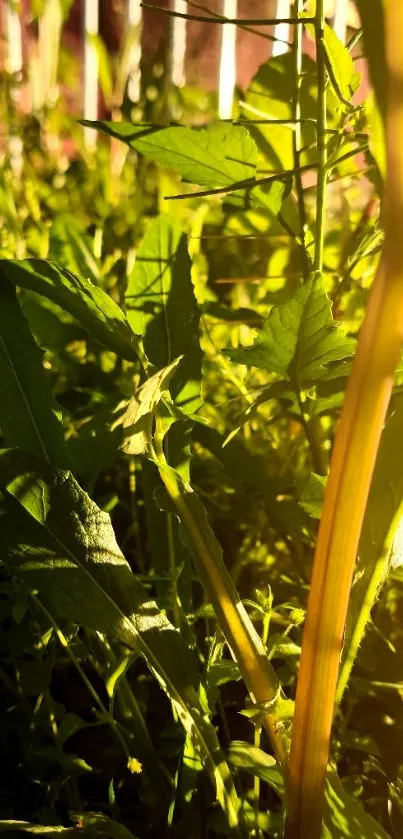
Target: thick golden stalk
point(353, 461)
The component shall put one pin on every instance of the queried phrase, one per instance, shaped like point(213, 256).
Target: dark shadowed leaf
point(62, 545)
point(28, 412)
point(92, 307)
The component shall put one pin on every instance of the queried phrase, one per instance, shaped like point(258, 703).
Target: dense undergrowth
point(179, 364)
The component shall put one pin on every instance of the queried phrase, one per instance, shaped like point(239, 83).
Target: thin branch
point(235, 21)
point(321, 134)
point(297, 137)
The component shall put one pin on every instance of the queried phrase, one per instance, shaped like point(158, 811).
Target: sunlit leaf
point(345, 817)
point(216, 156)
point(162, 308)
point(300, 340)
point(255, 762)
point(141, 407)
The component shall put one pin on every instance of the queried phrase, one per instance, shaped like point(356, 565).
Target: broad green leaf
point(379, 543)
point(162, 308)
point(267, 196)
point(65, 548)
point(92, 307)
point(216, 156)
point(340, 64)
point(28, 412)
point(51, 331)
point(256, 762)
point(345, 817)
point(300, 339)
point(270, 96)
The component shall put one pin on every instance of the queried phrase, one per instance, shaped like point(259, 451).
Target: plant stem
point(296, 134)
point(321, 134)
point(244, 642)
point(98, 701)
point(353, 460)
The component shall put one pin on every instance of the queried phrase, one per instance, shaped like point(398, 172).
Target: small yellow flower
point(134, 766)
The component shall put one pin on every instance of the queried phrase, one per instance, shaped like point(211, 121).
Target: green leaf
point(311, 495)
point(97, 824)
point(345, 817)
point(270, 96)
point(256, 762)
point(300, 339)
point(92, 307)
point(40, 829)
point(51, 330)
point(162, 308)
point(28, 412)
point(218, 155)
point(380, 536)
point(136, 420)
point(340, 64)
point(65, 548)
point(92, 824)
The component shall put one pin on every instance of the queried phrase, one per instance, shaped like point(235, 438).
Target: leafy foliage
point(300, 340)
point(170, 387)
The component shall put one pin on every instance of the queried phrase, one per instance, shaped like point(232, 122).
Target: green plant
point(201, 420)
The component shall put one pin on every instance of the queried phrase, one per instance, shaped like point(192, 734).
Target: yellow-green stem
point(353, 460)
point(238, 630)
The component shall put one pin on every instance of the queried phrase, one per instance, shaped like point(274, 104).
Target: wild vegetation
point(200, 413)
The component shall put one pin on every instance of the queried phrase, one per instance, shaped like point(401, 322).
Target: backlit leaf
point(300, 339)
point(216, 156)
point(162, 308)
point(345, 817)
point(92, 307)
